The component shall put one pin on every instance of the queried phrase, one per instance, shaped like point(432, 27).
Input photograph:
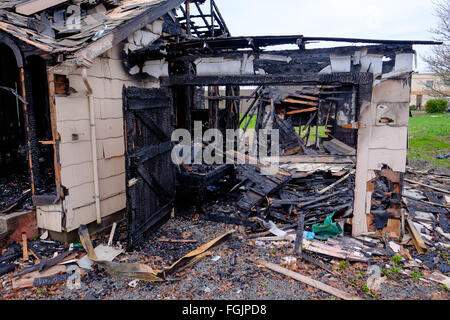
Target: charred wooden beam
point(314, 78)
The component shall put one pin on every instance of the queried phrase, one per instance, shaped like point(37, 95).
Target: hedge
point(436, 106)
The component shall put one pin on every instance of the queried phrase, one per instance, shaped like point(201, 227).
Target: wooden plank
point(309, 159)
point(176, 240)
point(417, 239)
point(336, 183)
point(427, 186)
point(309, 103)
point(301, 111)
point(340, 147)
point(33, 6)
point(314, 283)
point(26, 281)
point(301, 96)
point(25, 247)
point(111, 235)
point(299, 239)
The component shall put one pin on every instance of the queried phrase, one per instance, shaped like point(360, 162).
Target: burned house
point(91, 91)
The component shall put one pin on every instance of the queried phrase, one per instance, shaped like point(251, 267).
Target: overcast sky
point(381, 19)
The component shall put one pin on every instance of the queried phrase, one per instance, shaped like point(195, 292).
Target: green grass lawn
point(429, 136)
point(312, 135)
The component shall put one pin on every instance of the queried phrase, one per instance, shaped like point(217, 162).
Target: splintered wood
point(343, 248)
point(314, 283)
point(262, 186)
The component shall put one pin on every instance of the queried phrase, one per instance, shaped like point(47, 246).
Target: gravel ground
point(233, 277)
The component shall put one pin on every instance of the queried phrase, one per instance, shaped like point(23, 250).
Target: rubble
point(318, 108)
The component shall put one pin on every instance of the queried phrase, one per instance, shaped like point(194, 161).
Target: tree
point(439, 62)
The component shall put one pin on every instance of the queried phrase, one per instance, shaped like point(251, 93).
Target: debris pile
point(15, 193)
point(300, 214)
point(59, 26)
point(282, 198)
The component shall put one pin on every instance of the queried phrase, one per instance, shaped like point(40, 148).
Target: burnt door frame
point(150, 173)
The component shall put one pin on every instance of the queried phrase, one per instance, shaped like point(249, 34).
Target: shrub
point(412, 108)
point(436, 105)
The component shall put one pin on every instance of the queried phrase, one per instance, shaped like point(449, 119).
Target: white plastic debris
point(207, 290)
point(395, 247)
point(104, 253)
point(276, 231)
point(375, 280)
point(216, 258)
point(260, 243)
point(44, 235)
point(71, 247)
point(74, 280)
point(289, 259)
point(133, 283)
point(239, 291)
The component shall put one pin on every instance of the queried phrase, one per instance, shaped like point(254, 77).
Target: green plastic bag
point(328, 229)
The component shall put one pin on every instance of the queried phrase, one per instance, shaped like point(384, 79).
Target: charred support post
point(213, 106)
point(57, 165)
point(188, 18)
point(27, 125)
point(211, 3)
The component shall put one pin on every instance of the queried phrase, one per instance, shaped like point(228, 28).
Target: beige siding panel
point(76, 175)
point(113, 88)
point(112, 186)
point(399, 112)
point(109, 128)
point(113, 204)
point(395, 159)
point(80, 152)
point(117, 71)
point(75, 153)
point(77, 217)
point(111, 171)
point(99, 69)
point(71, 108)
point(86, 214)
point(389, 137)
point(111, 167)
point(113, 147)
point(81, 128)
point(109, 108)
point(49, 217)
point(81, 195)
point(391, 91)
point(102, 87)
point(76, 82)
point(115, 52)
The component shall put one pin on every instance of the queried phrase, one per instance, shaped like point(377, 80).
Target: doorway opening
point(15, 181)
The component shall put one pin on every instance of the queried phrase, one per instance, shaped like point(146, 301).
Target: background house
point(426, 86)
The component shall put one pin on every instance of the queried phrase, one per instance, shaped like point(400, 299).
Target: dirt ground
point(234, 276)
point(230, 271)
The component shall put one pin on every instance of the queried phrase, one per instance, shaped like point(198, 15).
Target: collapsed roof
point(59, 26)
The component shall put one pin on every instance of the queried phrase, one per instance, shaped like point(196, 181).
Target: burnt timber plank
point(263, 185)
point(310, 78)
